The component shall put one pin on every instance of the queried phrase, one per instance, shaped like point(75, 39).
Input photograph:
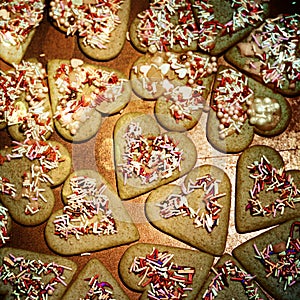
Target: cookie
point(156, 73)
point(228, 280)
point(273, 44)
point(222, 24)
point(80, 93)
point(197, 212)
point(18, 22)
point(145, 158)
point(42, 275)
point(147, 268)
point(25, 105)
point(266, 193)
point(104, 221)
point(273, 257)
point(5, 223)
point(241, 107)
point(100, 26)
point(28, 172)
point(165, 26)
point(94, 279)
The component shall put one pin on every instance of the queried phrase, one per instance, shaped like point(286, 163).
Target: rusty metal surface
point(49, 43)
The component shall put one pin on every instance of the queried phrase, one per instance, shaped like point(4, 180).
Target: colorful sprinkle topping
point(99, 290)
point(268, 178)
point(81, 89)
point(229, 270)
point(87, 211)
point(148, 158)
point(231, 99)
point(275, 46)
point(94, 21)
point(34, 116)
point(18, 19)
point(166, 279)
point(245, 13)
point(4, 237)
point(157, 25)
point(184, 100)
point(30, 278)
point(281, 260)
point(48, 158)
point(178, 204)
point(192, 65)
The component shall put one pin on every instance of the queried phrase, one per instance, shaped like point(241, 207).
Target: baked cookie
point(228, 280)
point(18, 22)
point(273, 257)
point(266, 193)
point(222, 24)
point(93, 218)
point(101, 26)
point(5, 222)
point(145, 158)
point(24, 103)
point(270, 54)
point(197, 212)
point(165, 26)
point(241, 107)
point(25, 274)
point(80, 93)
point(28, 171)
point(158, 72)
point(95, 282)
point(163, 271)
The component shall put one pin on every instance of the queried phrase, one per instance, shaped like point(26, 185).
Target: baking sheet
point(97, 153)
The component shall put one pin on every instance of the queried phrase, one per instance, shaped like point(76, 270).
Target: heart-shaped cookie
point(156, 270)
point(255, 54)
point(196, 213)
point(145, 158)
point(28, 171)
point(104, 223)
point(18, 22)
point(80, 93)
point(94, 279)
point(43, 274)
point(273, 257)
point(25, 105)
point(100, 38)
point(266, 193)
point(165, 26)
point(241, 107)
point(222, 24)
point(229, 280)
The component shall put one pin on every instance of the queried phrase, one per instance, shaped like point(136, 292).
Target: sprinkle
point(75, 104)
point(87, 211)
point(26, 78)
point(277, 42)
point(4, 237)
point(231, 99)
point(229, 270)
point(148, 158)
point(98, 290)
point(26, 277)
point(18, 19)
point(268, 178)
point(284, 264)
point(166, 279)
point(157, 27)
point(177, 204)
point(93, 22)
